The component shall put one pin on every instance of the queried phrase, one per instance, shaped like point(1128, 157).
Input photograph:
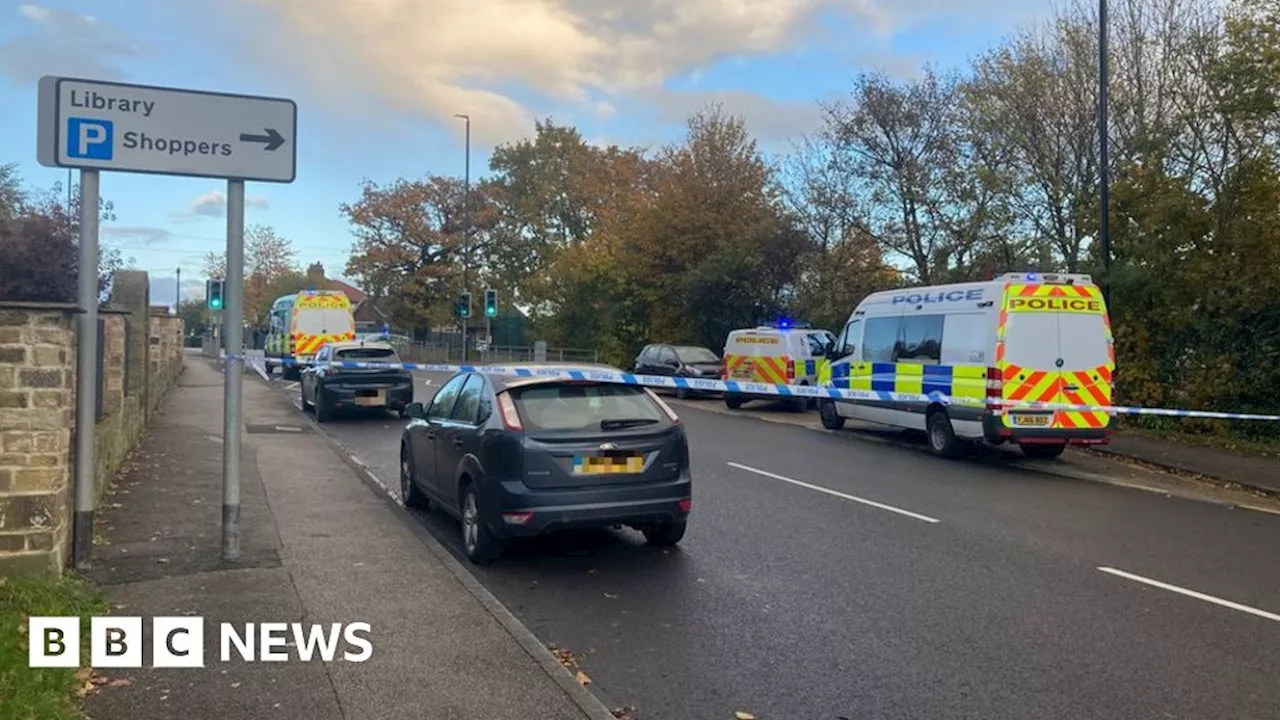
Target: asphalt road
point(825, 579)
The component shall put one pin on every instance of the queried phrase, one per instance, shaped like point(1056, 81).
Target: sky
point(378, 84)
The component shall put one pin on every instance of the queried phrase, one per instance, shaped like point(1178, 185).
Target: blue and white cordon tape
point(753, 388)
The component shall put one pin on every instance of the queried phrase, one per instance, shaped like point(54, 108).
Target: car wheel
point(733, 402)
point(411, 496)
point(682, 394)
point(942, 437)
point(323, 412)
point(302, 393)
point(831, 418)
point(1043, 452)
point(478, 541)
point(665, 534)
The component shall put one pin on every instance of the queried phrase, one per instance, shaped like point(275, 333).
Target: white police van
point(989, 348)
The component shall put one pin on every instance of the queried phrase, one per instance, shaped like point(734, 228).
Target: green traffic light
point(215, 304)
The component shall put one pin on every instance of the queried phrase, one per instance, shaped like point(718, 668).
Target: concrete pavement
point(319, 546)
point(824, 578)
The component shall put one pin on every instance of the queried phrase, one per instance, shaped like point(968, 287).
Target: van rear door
point(1056, 348)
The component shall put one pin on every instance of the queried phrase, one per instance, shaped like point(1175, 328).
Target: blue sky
point(377, 83)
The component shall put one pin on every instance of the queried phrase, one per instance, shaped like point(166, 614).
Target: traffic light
point(464, 305)
point(213, 293)
point(491, 303)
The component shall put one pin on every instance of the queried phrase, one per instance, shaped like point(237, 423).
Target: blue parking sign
point(90, 138)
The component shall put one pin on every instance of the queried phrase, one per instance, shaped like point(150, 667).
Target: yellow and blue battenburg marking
point(964, 382)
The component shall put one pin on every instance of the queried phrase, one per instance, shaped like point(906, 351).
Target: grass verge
point(42, 693)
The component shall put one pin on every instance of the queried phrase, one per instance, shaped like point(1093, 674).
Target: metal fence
point(447, 352)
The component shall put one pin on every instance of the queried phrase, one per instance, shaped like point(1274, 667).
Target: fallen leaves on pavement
point(582, 678)
point(625, 713)
point(740, 715)
point(88, 681)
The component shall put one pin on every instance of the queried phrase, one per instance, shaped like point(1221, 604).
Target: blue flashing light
point(1033, 277)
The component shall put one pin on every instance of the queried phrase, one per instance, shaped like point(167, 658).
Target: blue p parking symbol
point(90, 139)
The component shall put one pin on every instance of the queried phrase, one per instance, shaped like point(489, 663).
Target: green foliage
point(44, 693)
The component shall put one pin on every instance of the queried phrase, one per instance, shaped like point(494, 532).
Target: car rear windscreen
point(579, 406)
point(368, 354)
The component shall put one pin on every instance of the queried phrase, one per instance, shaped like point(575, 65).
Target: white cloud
point(504, 62)
point(481, 56)
point(214, 204)
point(59, 42)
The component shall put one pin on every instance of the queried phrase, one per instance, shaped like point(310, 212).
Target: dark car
point(520, 456)
point(679, 361)
point(329, 388)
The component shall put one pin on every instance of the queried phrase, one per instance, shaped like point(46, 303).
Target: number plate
point(1032, 420)
point(611, 465)
point(372, 398)
point(745, 371)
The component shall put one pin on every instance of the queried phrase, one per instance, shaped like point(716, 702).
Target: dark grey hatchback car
point(520, 456)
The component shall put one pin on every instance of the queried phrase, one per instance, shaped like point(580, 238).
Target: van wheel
point(733, 402)
point(942, 437)
point(1043, 452)
point(831, 418)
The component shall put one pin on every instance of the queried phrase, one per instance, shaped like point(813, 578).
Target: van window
point(966, 338)
point(880, 338)
point(920, 339)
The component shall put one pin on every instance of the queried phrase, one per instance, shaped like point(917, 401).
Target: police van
point(785, 353)
point(1023, 337)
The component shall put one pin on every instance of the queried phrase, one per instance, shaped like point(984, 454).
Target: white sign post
point(93, 125)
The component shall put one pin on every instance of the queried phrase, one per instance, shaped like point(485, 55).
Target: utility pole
point(1104, 200)
point(466, 224)
point(177, 291)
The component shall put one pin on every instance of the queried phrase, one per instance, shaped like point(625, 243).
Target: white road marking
point(1255, 508)
point(1191, 593)
point(836, 493)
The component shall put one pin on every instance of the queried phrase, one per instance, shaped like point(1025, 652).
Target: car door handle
point(457, 442)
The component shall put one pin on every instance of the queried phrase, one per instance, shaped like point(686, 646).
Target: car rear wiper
point(619, 423)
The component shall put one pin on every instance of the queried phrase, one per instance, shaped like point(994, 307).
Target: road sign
point(96, 125)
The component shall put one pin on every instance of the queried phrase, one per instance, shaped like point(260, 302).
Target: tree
point(900, 138)
point(268, 257)
point(409, 244)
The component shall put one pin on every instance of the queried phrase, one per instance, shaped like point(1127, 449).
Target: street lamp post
point(466, 224)
point(177, 292)
point(1104, 200)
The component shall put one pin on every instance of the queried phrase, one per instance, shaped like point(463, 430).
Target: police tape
point(736, 387)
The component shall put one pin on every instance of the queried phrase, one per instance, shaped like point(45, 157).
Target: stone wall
point(142, 357)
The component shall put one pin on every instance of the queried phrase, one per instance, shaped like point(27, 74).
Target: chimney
point(315, 277)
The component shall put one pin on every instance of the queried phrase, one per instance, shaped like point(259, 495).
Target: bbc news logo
point(178, 642)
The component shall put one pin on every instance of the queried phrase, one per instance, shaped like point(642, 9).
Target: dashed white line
point(1191, 593)
point(836, 493)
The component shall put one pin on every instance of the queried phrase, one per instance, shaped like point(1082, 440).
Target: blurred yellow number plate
point(1031, 420)
point(608, 465)
point(376, 399)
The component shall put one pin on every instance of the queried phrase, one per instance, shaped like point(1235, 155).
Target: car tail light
point(665, 407)
point(995, 389)
point(791, 371)
point(517, 518)
point(724, 369)
point(510, 417)
point(686, 504)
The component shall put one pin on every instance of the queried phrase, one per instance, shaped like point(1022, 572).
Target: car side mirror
point(413, 410)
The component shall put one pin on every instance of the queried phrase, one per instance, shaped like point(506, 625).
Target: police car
point(784, 353)
point(991, 347)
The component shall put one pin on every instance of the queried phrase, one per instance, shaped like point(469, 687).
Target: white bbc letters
point(53, 642)
point(115, 642)
point(177, 642)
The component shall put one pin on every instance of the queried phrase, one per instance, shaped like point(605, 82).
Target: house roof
point(353, 293)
